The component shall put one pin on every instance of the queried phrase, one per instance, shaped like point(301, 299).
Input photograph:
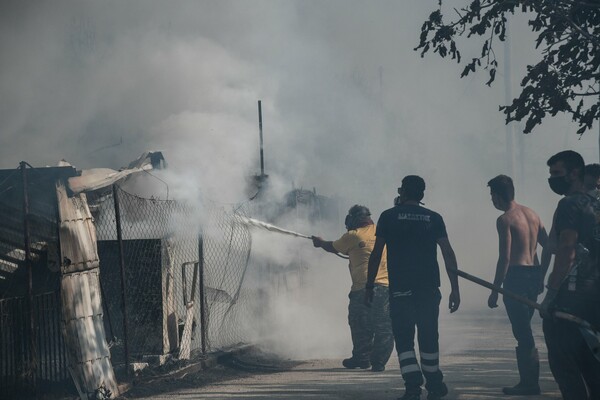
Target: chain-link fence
point(183, 269)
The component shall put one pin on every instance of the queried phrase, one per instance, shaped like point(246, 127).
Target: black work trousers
point(524, 281)
point(572, 363)
point(417, 309)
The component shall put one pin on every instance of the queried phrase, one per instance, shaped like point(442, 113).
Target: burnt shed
point(31, 345)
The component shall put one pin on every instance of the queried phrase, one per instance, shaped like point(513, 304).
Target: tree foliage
point(566, 78)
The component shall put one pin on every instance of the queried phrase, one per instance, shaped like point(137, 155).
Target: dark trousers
point(417, 309)
point(572, 363)
point(523, 281)
point(371, 328)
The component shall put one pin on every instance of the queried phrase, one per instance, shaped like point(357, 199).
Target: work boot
point(411, 395)
point(438, 392)
point(528, 361)
point(378, 368)
point(352, 363)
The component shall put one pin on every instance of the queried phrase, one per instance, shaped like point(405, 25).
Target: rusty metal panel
point(14, 351)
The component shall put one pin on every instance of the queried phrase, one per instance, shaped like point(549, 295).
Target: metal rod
point(57, 354)
point(122, 265)
point(498, 289)
point(29, 266)
point(524, 300)
point(203, 319)
point(260, 128)
point(106, 310)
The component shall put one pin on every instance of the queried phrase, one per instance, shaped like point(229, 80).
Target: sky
point(349, 108)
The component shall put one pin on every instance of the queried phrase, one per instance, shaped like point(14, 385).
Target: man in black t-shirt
point(574, 284)
point(411, 234)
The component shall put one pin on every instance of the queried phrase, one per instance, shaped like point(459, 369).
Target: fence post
point(122, 267)
point(28, 264)
point(203, 321)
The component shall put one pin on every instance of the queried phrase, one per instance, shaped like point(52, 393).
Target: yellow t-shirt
point(358, 245)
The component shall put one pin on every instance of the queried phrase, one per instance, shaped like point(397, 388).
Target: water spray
point(276, 229)
point(272, 228)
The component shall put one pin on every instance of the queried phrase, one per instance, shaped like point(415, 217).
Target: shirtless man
point(519, 231)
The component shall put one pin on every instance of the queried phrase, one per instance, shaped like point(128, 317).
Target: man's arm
point(565, 255)
point(325, 245)
point(542, 238)
point(375, 260)
point(373, 268)
point(451, 266)
point(504, 248)
point(547, 250)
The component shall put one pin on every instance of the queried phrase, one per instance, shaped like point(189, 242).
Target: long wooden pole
point(524, 300)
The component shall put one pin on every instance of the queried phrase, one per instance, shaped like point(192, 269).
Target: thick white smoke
point(349, 108)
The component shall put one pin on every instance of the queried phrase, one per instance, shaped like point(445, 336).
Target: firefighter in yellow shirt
point(370, 327)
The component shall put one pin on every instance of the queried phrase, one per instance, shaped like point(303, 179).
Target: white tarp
point(97, 178)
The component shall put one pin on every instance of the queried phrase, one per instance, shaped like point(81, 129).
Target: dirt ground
point(477, 361)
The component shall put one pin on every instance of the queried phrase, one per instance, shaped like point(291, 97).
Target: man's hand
point(548, 304)
point(369, 294)
point(541, 286)
point(454, 301)
point(317, 241)
point(493, 300)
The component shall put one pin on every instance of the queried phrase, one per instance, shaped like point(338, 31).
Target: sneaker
point(437, 393)
point(378, 368)
point(411, 396)
point(351, 363)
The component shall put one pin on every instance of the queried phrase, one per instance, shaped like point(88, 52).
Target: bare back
point(523, 226)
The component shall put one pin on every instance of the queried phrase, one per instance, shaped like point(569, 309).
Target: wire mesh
point(161, 240)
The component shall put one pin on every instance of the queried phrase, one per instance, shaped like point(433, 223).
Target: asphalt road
point(477, 360)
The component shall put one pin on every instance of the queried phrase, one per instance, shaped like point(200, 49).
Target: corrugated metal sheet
point(77, 234)
point(83, 327)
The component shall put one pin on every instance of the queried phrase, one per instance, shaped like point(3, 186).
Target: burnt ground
point(240, 364)
point(477, 360)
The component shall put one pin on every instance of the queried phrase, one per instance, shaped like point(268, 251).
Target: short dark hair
point(414, 187)
point(502, 185)
point(593, 170)
point(571, 159)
